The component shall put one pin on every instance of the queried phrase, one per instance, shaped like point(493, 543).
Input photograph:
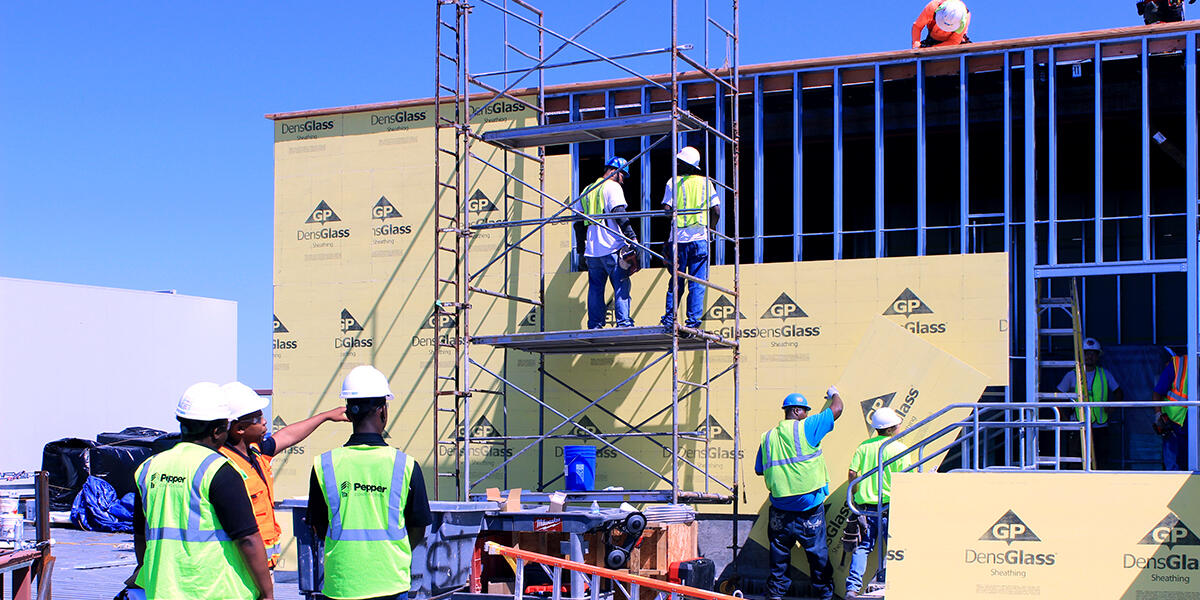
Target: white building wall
point(77, 360)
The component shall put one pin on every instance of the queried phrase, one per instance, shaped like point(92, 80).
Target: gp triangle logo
point(349, 323)
point(277, 423)
point(784, 308)
point(530, 320)
point(482, 428)
point(436, 321)
point(322, 214)
point(870, 405)
point(384, 210)
point(1008, 529)
point(279, 328)
point(584, 423)
point(1171, 532)
point(714, 429)
point(480, 203)
point(907, 304)
point(722, 310)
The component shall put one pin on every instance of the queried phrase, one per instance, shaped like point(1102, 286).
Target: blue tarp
point(97, 508)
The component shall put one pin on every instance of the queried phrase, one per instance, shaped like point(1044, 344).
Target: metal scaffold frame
point(461, 95)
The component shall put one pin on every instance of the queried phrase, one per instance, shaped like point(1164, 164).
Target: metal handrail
point(556, 565)
point(976, 425)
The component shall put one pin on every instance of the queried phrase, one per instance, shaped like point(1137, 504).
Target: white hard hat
point(365, 381)
point(1091, 344)
point(885, 417)
point(950, 15)
point(242, 399)
point(690, 156)
point(203, 401)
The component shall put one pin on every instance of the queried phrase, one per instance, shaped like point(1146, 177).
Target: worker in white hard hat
point(872, 495)
point(791, 464)
point(367, 500)
point(195, 535)
point(699, 197)
point(1102, 387)
point(947, 22)
point(603, 242)
point(1162, 11)
point(248, 448)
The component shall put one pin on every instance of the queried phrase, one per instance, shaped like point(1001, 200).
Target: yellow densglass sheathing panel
point(1045, 535)
point(354, 285)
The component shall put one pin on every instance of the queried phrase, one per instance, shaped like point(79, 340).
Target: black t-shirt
point(229, 499)
point(416, 508)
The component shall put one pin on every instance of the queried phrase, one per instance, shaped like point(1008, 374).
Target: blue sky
point(135, 153)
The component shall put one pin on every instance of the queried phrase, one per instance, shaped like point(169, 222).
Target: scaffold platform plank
point(617, 496)
point(657, 123)
point(592, 341)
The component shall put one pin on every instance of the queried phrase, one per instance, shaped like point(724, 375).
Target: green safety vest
point(791, 466)
point(866, 457)
point(691, 192)
point(1179, 391)
point(1097, 393)
point(593, 201)
point(367, 553)
point(188, 555)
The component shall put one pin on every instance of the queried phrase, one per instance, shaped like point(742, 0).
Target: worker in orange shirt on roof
point(947, 21)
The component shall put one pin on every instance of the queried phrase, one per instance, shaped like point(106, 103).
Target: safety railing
point(975, 427)
point(587, 580)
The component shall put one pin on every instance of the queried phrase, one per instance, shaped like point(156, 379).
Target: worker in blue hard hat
point(606, 246)
point(790, 460)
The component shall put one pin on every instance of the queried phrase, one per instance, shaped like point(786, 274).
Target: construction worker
point(251, 453)
point(603, 244)
point(367, 500)
point(1161, 11)
point(195, 535)
point(1102, 387)
point(947, 21)
point(1173, 386)
point(691, 230)
point(789, 459)
point(871, 499)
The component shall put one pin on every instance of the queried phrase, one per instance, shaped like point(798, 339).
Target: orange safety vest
point(1179, 390)
point(262, 494)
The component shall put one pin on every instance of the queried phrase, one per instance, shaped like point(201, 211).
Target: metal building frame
point(1023, 242)
point(456, 280)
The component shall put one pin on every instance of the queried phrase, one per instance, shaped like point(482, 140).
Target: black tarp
point(68, 463)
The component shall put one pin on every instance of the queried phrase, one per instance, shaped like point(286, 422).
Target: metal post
point(838, 170)
point(1052, 152)
point(675, 279)
point(922, 159)
point(1030, 301)
point(758, 169)
point(879, 183)
point(798, 165)
point(1098, 155)
point(1193, 273)
point(964, 173)
point(1145, 58)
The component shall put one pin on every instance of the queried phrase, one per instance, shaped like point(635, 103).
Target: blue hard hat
point(619, 164)
point(796, 400)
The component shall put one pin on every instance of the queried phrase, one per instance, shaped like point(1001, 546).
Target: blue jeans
point(600, 270)
point(693, 256)
point(867, 543)
point(784, 529)
point(1175, 447)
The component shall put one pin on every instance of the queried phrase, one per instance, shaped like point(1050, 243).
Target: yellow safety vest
point(1179, 391)
point(1098, 393)
point(866, 457)
point(691, 192)
point(367, 552)
point(791, 466)
point(593, 201)
point(188, 555)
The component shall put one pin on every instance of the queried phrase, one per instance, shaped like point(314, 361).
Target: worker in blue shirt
point(790, 460)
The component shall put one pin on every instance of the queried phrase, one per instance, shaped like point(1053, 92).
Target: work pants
point(866, 543)
point(602, 269)
point(1175, 448)
point(693, 260)
point(784, 529)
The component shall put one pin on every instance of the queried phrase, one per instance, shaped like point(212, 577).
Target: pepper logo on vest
point(907, 304)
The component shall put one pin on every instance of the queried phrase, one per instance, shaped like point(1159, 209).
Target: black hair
point(687, 169)
point(192, 429)
point(358, 409)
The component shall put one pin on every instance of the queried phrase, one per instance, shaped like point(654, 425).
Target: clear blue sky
point(135, 153)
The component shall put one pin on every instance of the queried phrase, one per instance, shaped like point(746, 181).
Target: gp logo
point(1008, 529)
point(322, 214)
point(384, 210)
point(907, 304)
point(1171, 532)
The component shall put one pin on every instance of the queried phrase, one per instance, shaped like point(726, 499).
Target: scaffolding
point(460, 96)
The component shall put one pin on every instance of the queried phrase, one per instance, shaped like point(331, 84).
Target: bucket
point(579, 467)
point(9, 505)
point(12, 528)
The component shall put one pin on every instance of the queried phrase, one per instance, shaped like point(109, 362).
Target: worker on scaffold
point(604, 245)
point(698, 195)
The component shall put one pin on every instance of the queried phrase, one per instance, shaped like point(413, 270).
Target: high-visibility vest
point(691, 192)
point(868, 489)
point(262, 495)
point(1179, 390)
point(367, 552)
point(593, 201)
point(1097, 393)
point(791, 466)
point(188, 555)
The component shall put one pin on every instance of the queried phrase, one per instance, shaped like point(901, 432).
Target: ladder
point(1058, 318)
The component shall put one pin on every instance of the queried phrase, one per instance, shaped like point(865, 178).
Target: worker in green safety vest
point(789, 459)
point(1173, 386)
point(195, 535)
point(367, 501)
point(1102, 387)
point(873, 494)
point(603, 242)
point(691, 230)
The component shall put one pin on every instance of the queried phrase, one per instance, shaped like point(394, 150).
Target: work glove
point(831, 392)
